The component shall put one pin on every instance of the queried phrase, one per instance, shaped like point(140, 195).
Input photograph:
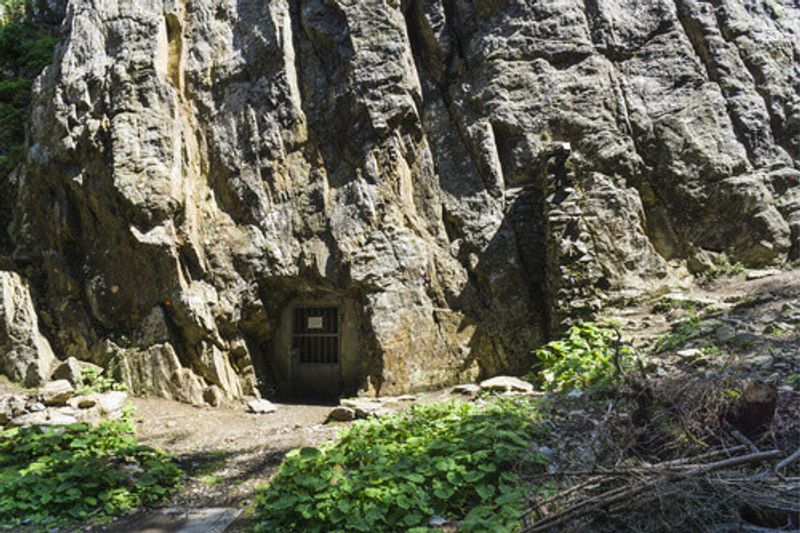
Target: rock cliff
point(468, 173)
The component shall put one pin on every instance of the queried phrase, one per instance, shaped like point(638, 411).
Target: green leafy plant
point(94, 382)
point(453, 460)
point(51, 476)
point(589, 356)
point(681, 333)
point(723, 267)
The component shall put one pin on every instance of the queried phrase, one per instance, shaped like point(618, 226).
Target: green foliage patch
point(583, 359)
point(723, 267)
point(51, 476)
point(92, 381)
point(681, 333)
point(453, 460)
point(24, 51)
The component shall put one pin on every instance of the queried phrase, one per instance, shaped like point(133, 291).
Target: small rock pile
point(361, 408)
point(57, 403)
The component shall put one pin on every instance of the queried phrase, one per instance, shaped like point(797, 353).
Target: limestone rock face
point(25, 354)
point(471, 173)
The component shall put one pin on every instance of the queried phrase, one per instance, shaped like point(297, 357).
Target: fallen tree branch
point(685, 462)
point(613, 496)
point(789, 460)
point(739, 436)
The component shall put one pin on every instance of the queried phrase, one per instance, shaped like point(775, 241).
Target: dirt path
point(227, 452)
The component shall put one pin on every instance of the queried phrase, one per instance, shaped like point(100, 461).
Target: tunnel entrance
point(316, 352)
point(316, 344)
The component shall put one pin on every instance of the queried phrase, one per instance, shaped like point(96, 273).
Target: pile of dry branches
point(685, 494)
point(686, 453)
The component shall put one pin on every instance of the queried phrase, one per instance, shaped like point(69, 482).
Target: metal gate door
point(315, 351)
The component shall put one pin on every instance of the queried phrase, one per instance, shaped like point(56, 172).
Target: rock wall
point(470, 172)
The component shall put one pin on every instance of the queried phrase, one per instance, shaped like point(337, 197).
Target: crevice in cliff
point(174, 49)
point(445, 81)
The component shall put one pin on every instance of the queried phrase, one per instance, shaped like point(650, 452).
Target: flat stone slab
point(260, 407)
point(172, 520)
point(753, 275)
point(506, 383)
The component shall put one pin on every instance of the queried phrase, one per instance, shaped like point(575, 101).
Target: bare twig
point(739, 436)
point(789, 460)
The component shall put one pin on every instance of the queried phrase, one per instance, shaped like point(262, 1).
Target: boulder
point(469, 389)
point(86, 401)
point(11, 406)
point(341, 414)
point(111, 402)
point(154, 370)
point(365, 408)
point(43, 418)
point(25, 354)
point(260, 407)
point(72, 370)
point(506, 384)
point(213, 396)
point(56, 392)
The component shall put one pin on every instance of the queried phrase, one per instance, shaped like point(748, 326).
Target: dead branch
point(619, 494)
point(739, 436)
point(789, 460)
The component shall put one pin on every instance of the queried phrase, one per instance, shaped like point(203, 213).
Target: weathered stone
point(56, 392)
point(260, 407)
point(72, 370)
point(506, 384)
point(86, 401)
point(11, 406)
point(43, 418)
point(156, 370)
point(753, 275)
point(213, 396)
point(467, 389)
point(341, 414)
point(111, 402)
point(690, 354)
point(484, 171)
point(365, 408)
point(25, 354)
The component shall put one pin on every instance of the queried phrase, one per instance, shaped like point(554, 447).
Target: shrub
point(393, 474)
point(92, 381)
point(55, 475)
point(583, 359)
